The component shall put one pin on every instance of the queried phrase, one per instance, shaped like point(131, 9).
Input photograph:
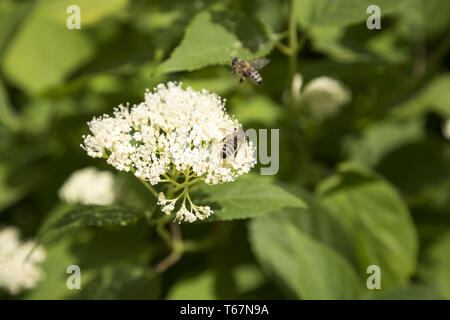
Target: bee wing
point(260, 63)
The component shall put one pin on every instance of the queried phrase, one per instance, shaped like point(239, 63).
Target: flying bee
point(232, 142)
point(248, 70)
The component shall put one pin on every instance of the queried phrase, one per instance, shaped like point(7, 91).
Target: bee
point(232, 142)
point(248, 70)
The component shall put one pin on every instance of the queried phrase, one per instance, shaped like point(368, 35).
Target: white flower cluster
point(174, 133)
point(322, 96)
point(89, 186)
point(18, 270)
point(446, 129)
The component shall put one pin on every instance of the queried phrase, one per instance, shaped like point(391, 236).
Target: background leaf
point(378, 220)
point(299, 262)
point(336, 13)
point(435, 269)
point(44, 52)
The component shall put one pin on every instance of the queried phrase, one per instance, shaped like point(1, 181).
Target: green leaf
point(377, 219)
point(435, 270)
point(381, 138)
point(122, 282)
point(248, 197)
point(207, 42)
point(338, 12)
point(409, 292)
point(199, 287)
point(9, 193)
point(44, 52)
point(320, 224)
point(11, 15)
point(53, 285)
point(247, 277)
point(90, 216)
point(258, 109)
point(434, 97)
point(8, 116)
point(340, 44)
point(91, 11)
point(309, 269)
point(421, 19)
point(97, 252)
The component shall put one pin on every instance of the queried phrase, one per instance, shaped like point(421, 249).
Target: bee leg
point(241, 80)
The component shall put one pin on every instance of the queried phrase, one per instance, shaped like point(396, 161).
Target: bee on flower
point(175, 137)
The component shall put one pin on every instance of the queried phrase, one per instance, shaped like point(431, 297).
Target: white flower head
point(446, 129)
point(173, 134)
point(18, 268)
point(322, 96)
point(89, 186)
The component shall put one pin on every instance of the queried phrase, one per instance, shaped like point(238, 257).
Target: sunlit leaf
point(247, 198)
point(44, 52)
point(198, 287)
point(207, 42)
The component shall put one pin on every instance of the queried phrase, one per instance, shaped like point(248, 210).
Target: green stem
point(161, 230)
point(177, 246)
point(149, 187)
point(293, 41)
point(283, 48)
point(171, 180)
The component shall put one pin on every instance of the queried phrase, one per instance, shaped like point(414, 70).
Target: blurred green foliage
point(369, 185)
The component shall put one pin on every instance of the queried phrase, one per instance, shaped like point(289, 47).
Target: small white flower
point(174, 135)
point(19, 271)
point(162, 199)
point(89, 186)
point(323, 96)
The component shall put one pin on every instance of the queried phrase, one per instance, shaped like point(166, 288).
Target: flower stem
point(149, 187)
point(162, 232)
point(177, 246)
point(293, 41)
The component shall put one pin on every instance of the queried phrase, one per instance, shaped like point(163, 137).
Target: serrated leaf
point(309, 269)
point(248, 197)
point(207, 42)
point(376, 218)
point(337, 12)
point(91, 216)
